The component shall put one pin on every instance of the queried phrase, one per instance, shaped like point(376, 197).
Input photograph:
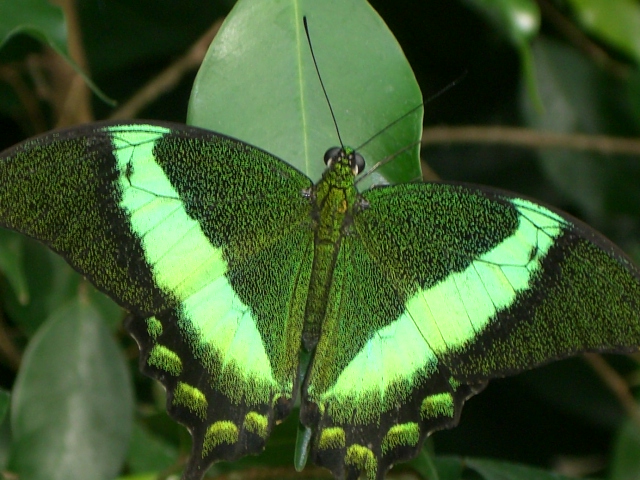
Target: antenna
point(324, 90)
point(397, 120)
point(402, 117)
point(386, 160)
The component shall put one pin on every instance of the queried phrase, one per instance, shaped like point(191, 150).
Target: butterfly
point(248, 285)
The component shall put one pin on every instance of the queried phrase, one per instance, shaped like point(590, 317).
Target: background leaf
point(625, 461)
point(44, 22)
point(74, 366)
point(38, 18)
point(255, 75)
point(492, 470)
point(5, 398)
point(616, 22)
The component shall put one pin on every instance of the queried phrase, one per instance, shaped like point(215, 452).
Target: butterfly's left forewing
point(439, 288)
point(204, 239)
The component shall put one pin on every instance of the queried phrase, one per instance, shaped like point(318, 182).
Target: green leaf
point(498, 470)
point(44, 22)
point(632, 91)
point(11, 264)
point(449, 467)
point(238, 93)
point(625, 460)
point(140, 476)
point(5, 399)
point(46, 281)
point(37, 18)
point(71, 410)
point(111, 313)
point(50, 282)
point(425, 465)
point(518, 21)
point(616, 22)
point(148, 452)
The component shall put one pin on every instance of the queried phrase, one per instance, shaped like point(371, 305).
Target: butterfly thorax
point(333, 199)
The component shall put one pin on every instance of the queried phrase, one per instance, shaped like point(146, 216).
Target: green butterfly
point(247, 283)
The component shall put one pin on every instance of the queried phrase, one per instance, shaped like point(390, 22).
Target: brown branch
point(616, 384)
point(524, 137)
point(71, 92)
point(168, 78)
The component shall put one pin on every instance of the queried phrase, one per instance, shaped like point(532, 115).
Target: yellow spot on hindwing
point(363, 459)
point(256, 423)
point(333, 437)
point(406, 434)
point(154, 327)
point(438, 405)
point(218, 433)
point(165, 359)
point(192, 398)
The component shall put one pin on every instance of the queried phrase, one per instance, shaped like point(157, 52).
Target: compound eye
point(357, 163)
point(331, 154)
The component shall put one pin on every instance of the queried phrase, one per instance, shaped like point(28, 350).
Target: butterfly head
point(344, 157)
